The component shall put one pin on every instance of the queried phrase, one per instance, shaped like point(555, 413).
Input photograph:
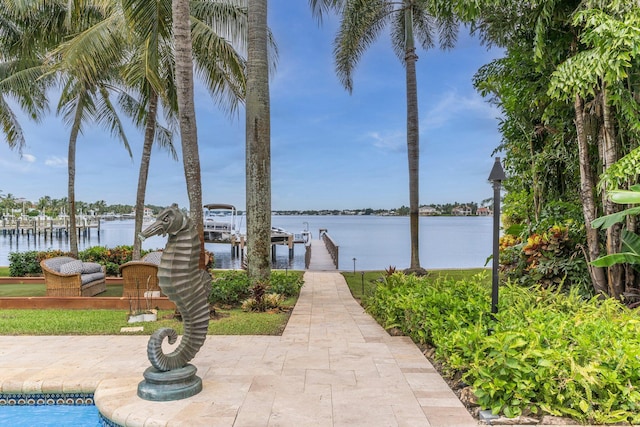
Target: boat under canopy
point(220, 223)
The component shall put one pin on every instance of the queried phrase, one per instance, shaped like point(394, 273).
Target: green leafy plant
point(24, 264)
point(229, 287)
point(548, 258)
point(630, 248)
point(550, 350)
point(286, 283)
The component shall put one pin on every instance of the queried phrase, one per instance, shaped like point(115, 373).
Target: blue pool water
point(49, 416)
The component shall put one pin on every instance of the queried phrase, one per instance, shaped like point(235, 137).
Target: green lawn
point(110, 322)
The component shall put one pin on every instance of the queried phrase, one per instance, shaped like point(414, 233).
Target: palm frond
point(93, 51)
point(28, 87)
point(133, 107)
point(320, 8)
point(106, 116)
point(11, 127)
point(219, 65)
point(362, 21)
point(227, 18)
point(164, 140)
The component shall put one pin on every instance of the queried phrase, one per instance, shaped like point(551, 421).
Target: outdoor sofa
point(70, 277)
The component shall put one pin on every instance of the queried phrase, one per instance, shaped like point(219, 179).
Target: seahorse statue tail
point(183, 283)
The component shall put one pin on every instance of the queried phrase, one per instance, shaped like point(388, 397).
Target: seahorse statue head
point(169, 221)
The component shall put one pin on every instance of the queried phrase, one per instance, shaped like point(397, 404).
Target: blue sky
point(330, 149)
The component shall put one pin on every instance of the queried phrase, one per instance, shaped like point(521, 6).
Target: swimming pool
point(50, 416)
point(50, 410)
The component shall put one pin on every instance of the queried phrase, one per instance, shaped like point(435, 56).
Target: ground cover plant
point(546, 352)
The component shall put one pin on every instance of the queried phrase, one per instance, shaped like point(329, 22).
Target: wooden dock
point(47, 227)
point(320, 258)
point(320, 254)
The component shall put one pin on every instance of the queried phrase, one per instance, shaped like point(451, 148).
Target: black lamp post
point(496, 177)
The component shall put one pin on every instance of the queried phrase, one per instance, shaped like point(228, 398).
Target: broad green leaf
point(630, 242)
point(619, 258)
point(630, 254)
point(624, 196)
point(609, 220)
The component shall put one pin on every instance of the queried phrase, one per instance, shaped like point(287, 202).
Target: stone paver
point(333, 366)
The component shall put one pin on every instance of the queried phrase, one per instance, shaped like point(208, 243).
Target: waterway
point(376, 242)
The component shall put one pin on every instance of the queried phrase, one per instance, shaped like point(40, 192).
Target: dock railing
point(307, 255)
point(332, 248)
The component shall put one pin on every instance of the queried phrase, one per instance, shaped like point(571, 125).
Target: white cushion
point(73, 267)
point(152, 257)
point(57, 262)
point(91, 267)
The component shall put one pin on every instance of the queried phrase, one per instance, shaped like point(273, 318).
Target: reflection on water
point(375, 242)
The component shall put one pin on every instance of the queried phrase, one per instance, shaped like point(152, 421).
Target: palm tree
point(27, 30)
point(362, 21)
point(32, 65)
point(81, 102)
point(258, 145)
point(216, 25)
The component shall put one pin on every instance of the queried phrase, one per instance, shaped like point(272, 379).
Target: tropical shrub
point(23, 264)
point(546, 351)
point(231, 287)
point(548, 258)
point(286, 283)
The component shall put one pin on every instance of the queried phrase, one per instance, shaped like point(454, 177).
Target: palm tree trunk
point(71, 189)
point(413, 143)
point(258, 145)
point(187, 114)
point(587, 191)
point(143, 174)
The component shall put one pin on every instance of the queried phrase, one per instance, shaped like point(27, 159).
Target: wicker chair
point(139, 277)
point(69, 277)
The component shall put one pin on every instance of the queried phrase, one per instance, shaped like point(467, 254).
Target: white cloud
point(56, 162)
point(388, 141)
point(453, 106)
point(29, 158)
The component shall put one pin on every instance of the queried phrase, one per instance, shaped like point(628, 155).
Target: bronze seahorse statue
point(183, 283)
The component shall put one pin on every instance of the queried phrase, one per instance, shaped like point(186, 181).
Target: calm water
point(49, 415)
point(375, 241)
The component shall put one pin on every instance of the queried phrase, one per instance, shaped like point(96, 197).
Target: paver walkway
point(333, 366)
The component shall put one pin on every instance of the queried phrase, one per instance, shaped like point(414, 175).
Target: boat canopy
point(214, 206)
